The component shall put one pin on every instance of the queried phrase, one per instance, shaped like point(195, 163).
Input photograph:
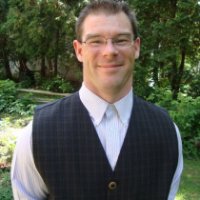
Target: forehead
point(106, 24)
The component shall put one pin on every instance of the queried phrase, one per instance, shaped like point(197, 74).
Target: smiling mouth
point(110, 65)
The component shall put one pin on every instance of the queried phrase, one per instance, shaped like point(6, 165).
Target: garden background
point(36, 53)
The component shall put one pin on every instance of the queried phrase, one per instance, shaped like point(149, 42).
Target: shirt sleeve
point(177, 175)
point(27, 183)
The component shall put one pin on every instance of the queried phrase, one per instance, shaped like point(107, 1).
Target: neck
point(110, 95)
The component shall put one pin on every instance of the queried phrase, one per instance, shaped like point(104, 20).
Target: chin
point(111, 86)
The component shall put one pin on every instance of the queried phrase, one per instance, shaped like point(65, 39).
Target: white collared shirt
point(26, 181)
point(97, 107)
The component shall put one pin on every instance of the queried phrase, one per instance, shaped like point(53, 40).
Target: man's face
point(109, 67)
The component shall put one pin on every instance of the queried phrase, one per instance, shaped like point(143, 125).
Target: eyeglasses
point(119, 42)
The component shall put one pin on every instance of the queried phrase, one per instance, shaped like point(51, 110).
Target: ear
point(136, 47)
point(78, 49)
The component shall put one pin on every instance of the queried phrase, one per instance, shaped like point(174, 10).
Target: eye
point(95, 41)
point(121, 41)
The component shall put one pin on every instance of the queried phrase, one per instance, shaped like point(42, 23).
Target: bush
point(185, 111)
point(10, 126)
point(5, 189)
point(56, 84)
point(7, 145)
point(8, 94)
point(23, 106)
point(161, 97)
point(186, 114)
point(11, 102)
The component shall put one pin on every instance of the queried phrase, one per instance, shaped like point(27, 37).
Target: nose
point(109, 48)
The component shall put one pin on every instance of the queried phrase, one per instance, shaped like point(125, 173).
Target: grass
point(190, 182)
point(189, 187)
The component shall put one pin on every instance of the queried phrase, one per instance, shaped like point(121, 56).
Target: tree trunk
point(56, 53)
point(4, 56)
point(7, 66)
point(177, 75)
point(43, 67)
point(50, 67)
point(25, 72)
point(155, 75)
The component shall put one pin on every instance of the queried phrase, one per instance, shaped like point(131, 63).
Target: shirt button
point(112, 185)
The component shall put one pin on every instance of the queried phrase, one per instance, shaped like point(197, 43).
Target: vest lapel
point(130, 138)
point(90, 143)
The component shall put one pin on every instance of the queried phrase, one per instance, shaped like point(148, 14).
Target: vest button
point(112, 185)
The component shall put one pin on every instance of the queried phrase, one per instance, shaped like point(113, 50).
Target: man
point(102, 142)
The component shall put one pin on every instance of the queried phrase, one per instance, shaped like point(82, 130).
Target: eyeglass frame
point(117, 44)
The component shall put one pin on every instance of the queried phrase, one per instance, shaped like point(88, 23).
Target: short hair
point(108, 7)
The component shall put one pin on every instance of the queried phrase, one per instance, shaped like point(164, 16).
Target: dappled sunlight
point(180, 197)
point(10, 128)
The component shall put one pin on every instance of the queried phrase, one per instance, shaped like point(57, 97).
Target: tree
point(41, 30)
point(169, 32)
point(4, 52)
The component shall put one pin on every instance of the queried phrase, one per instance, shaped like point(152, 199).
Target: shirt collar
point(124, 107)
point(96, 106)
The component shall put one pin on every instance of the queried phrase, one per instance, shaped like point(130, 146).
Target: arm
point(27, 183)
point(179, 169)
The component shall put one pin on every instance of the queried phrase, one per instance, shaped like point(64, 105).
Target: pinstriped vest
point(72, 162)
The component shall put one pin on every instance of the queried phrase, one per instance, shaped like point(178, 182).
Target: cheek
point(90, 58)
point(89, 62)
point(129, 58)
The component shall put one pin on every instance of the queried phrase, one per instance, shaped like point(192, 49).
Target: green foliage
point(186, 114)
point(170, 39)
point(23, 106)
point(10, 126)
point(5, 185)
point(57, 84)
point(11, 103)
point(44, 30)
point(194, 89)
point(40, 30)
point(7, 145)
point(8, 94)
point(185, 111)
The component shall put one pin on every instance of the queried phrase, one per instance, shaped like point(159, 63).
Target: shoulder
point(57, 103)
point(58, 106)
point(60, 111)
